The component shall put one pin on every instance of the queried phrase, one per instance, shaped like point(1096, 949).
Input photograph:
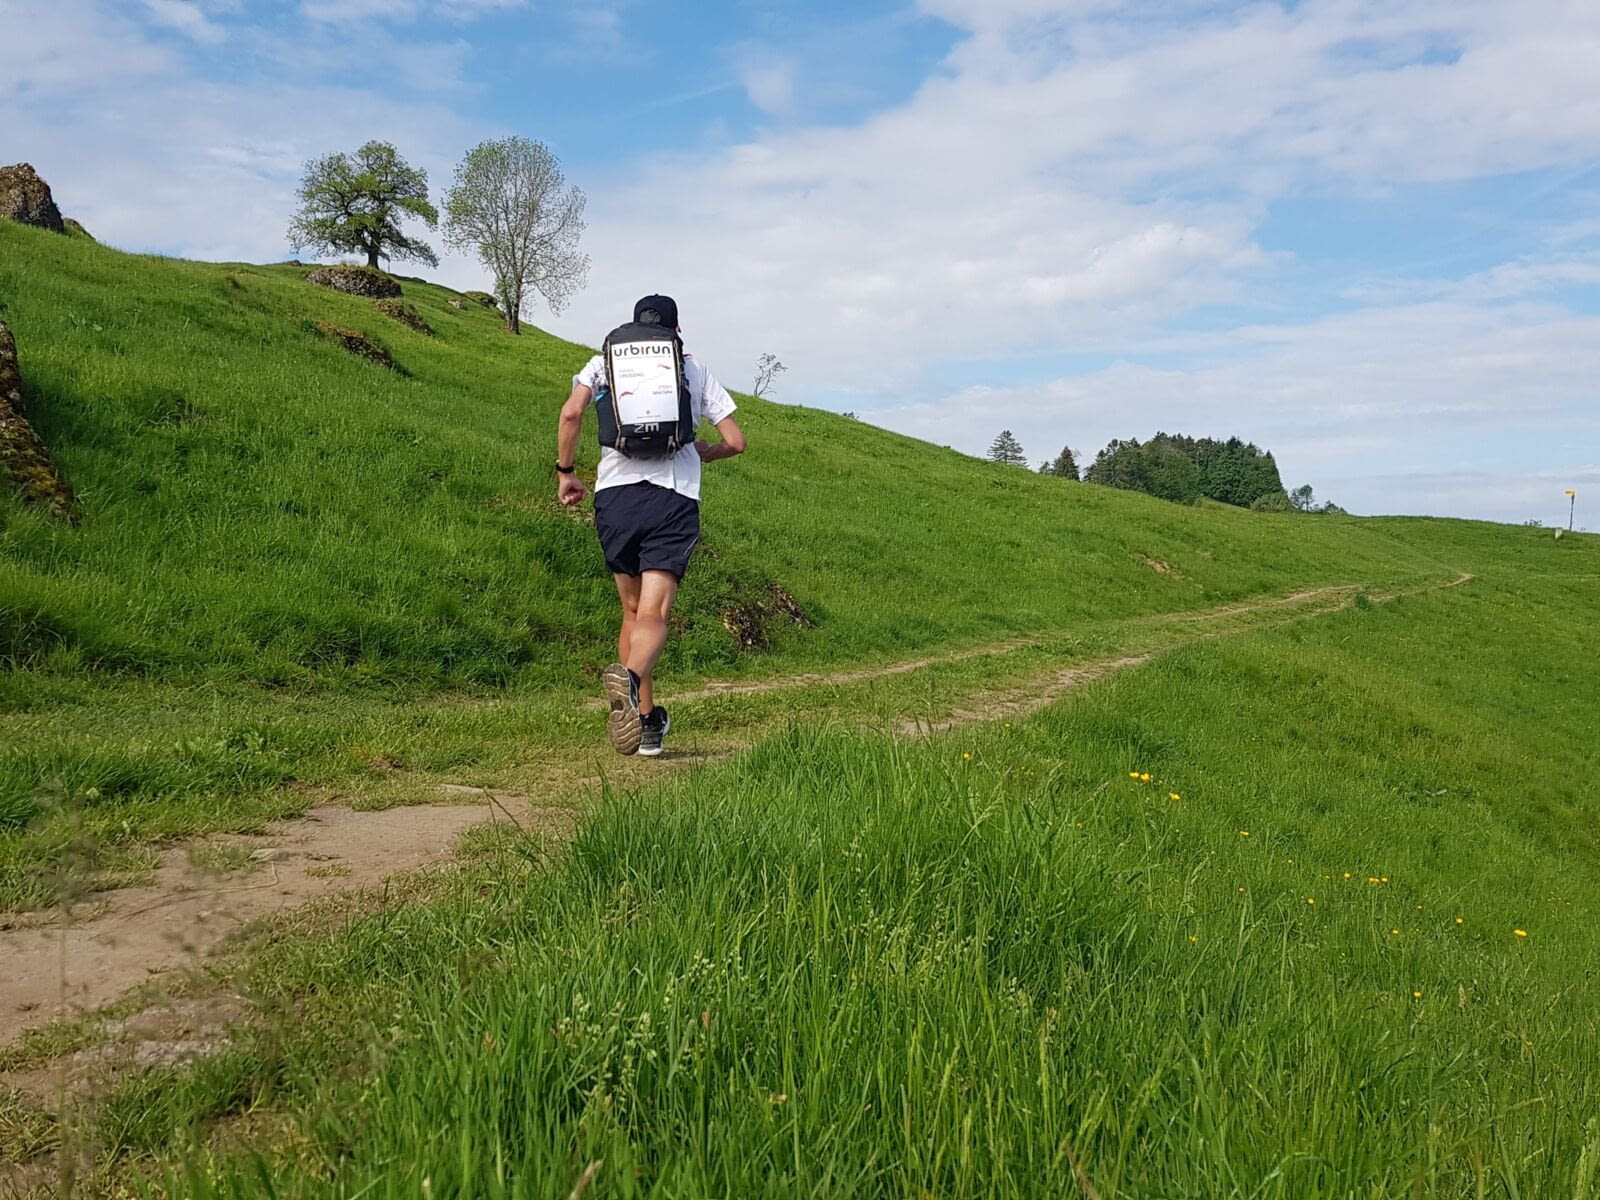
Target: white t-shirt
point(681, 472)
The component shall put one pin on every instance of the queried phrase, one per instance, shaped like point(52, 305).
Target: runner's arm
point(732, 442)
point(569, 488)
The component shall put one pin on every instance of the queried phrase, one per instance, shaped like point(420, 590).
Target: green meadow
point(1300, 907)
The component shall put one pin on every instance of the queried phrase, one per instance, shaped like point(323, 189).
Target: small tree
point(1008, 450)
point(511, 206)
point(1064, 465)
point(1277, 501)
point(354, 204)
point(767, 369)
point(1303, 498)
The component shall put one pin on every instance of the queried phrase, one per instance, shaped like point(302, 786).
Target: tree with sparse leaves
point(355, 203)
point(768, 368)
point(1006, 449)
point(1303, 498)
point(510, 205)
point(1064, 465)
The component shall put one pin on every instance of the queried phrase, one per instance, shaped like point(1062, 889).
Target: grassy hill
point(1337, 943)
point(263, 505)
point(270, 519)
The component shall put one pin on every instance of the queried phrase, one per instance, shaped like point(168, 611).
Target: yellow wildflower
point(1347, 874)
point(1520, 932)
point(1394, 932)
point(1459, 921)
point(1133, 774)
point(965, 757)
point(1244, 833)
point(1311, 899)
point(1416, 995)
point(1144, 777)
point(1174, 795)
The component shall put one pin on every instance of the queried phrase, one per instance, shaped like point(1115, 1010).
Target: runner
point(651, 396)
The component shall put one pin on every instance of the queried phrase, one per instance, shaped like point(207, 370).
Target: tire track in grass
point(70, 967)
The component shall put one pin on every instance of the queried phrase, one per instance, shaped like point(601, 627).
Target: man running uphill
point(650, 397)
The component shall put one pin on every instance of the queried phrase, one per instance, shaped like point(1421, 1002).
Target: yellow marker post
point(1572, 506)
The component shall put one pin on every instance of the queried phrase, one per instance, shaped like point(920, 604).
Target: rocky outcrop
point(76, 229)
point(358, 344)
point(26, 198)
point(23, 456)
point(405, 314)
point(358, 281)
point(750, 621)
point(483, 298)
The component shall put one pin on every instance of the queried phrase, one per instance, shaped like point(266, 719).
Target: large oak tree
point(354, 204)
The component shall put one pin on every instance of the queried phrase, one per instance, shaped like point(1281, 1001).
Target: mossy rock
point(26, 198)
point(359, 344)
point(405, 314)
point(483, 298)
point(23, 456)
point(357, 281)
point(76, 229)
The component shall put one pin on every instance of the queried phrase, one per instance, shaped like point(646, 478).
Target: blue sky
point(1364, 234)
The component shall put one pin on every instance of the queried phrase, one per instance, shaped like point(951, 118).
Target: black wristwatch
point(566, 470)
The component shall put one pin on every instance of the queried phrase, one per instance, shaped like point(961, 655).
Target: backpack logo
point(647, 412)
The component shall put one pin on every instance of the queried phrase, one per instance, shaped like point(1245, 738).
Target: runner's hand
point(703, 449)
point(570, 490)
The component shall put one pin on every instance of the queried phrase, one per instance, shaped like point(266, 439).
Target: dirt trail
point(70, 966)
point(66, 967)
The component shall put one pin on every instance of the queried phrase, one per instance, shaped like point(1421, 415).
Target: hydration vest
point(645, 408)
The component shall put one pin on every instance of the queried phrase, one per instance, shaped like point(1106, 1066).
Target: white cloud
point(357, 11)
point(1443, 390)
point(186, 17)
point(769, 81)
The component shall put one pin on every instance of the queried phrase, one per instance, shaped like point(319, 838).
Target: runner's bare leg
point(644, 628)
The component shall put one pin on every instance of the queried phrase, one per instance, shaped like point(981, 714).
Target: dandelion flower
point(1174, 796)
point(1192, 938)
point(1133, 774)
point(965, 757)
point(1347, 874)
point(1416, 995)
point(1394, 933)
point(1520, 932)
point(1144, 777)
point(1291, 862)
point(1311, 899)
point(1459, 921)
point(1241, 889)
point(1244, 833)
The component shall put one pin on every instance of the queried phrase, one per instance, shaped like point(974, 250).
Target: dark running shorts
point(644, 527)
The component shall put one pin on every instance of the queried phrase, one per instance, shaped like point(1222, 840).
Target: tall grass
point(1003, 963)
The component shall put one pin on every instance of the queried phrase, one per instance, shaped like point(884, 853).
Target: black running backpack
point(645, 408)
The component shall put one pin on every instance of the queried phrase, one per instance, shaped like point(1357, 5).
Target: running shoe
point(623, 726)
point(655, 725)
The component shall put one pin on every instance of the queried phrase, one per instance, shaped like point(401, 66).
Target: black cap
point(665, 305)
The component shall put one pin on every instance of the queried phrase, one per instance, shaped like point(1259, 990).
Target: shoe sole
point(654, 751)
point(623, 726)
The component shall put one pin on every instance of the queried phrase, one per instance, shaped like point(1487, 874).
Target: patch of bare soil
point(69, 967)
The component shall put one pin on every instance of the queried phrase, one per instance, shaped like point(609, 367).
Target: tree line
point(1179, 468)
point(509, 204)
